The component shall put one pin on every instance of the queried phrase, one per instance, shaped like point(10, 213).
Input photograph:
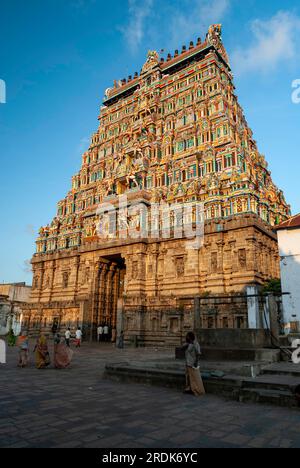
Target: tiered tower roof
point(175, 132)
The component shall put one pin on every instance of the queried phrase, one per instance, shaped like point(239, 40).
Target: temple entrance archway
point(109, 287)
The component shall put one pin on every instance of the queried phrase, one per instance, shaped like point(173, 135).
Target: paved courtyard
point(78, 408)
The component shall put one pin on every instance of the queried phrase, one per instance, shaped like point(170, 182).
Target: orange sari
point(42, 358)
point(62, 356)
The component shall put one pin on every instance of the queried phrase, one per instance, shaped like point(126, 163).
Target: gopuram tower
point(173, 134)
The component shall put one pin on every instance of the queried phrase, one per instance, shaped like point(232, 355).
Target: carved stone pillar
point(42, 272)
point(95, 300)
point(109, 294)
point(116, 289)
point(102, 292)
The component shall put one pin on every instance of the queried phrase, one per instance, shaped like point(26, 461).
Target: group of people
point(107, 334)
point(62, 353)
point(78, 337)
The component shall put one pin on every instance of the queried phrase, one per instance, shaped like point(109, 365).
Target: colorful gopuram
point(175, 133)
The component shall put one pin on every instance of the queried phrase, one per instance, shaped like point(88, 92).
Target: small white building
point(289, 248)
point(12, 297)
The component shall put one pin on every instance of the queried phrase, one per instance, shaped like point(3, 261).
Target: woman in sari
point(42, 357)
point(194, 384)
point(62, 353)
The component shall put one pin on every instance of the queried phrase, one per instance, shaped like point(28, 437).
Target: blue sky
point(58, 56)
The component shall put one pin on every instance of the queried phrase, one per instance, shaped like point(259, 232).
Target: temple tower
point(174, 134)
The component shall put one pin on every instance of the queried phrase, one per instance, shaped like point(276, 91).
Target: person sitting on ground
point(42, 356)
point(62, 353)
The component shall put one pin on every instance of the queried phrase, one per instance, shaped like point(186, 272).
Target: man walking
point(78, 337)
point(67, 337)
point(106, 332)
point(100, 333)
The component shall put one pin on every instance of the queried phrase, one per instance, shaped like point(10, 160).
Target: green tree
point(272, 286)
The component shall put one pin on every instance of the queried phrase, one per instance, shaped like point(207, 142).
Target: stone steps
point(289, 373)
point(278, 398)
point(272, 382)
point(272, 389)
point(149, 376)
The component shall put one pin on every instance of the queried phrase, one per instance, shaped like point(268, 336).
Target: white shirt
point(100, 330)
point(78, 334)
point(68, 334)
point(106, 330)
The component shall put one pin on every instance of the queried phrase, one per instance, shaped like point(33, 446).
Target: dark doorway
point(109, 288)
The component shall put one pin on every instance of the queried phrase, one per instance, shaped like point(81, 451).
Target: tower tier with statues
point(175, 133)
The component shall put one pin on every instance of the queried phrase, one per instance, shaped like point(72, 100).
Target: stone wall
point(13, 297)
point(155, 279)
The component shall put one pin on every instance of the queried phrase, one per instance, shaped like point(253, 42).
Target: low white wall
point(289, 245)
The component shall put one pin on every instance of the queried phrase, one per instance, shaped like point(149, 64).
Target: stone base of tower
point(148, 287)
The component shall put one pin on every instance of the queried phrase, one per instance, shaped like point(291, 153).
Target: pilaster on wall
point(136, 260)
point(86, 317)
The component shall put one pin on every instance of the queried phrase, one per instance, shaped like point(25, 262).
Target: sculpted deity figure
point(87, 274)
point(120, 156)
point(134, 221)
point(137, 150)
point(36, 282)
point(123, 220)
point(109, 187)
point(214, 37)
point(132, 178)
point(152, 56)
point(94, 229)
point(214, 33)
point(152, 60)
point(108, 92)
